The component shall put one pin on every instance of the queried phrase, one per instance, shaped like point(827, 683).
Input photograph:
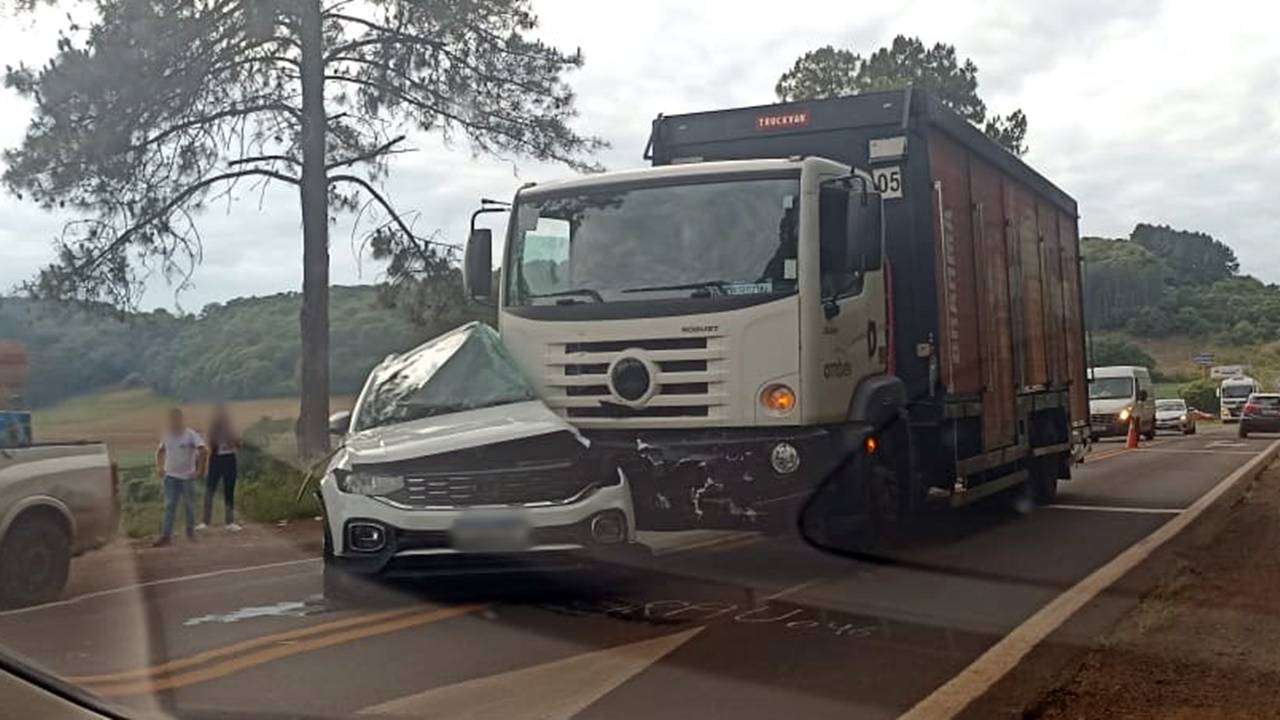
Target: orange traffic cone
point(1132, 442)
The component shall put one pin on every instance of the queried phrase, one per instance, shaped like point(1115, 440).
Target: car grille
point(528, 486)
point(690, 379)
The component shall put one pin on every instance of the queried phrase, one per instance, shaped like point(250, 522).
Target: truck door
point(851, 343)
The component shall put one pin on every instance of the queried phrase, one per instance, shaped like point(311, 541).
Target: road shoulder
point(1112, 645)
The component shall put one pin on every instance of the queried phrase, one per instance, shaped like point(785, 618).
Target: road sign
point(1222, 372)
point(1204, 359)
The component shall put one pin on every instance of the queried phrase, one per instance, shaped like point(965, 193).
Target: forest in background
point(243, 348)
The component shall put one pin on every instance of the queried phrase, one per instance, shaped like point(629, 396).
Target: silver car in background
point(1173, 414)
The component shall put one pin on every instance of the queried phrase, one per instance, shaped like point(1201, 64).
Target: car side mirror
point(477, 269)
point(339, 422)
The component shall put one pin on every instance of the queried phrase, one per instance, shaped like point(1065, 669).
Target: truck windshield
point(703, 240)
point(1110, 388)
point(1236, 392)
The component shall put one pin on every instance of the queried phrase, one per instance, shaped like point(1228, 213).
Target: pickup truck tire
point(35, 557)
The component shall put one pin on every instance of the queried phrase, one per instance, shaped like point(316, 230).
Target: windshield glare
point(732, 237)
point(1236, 391)
point(1110, 388)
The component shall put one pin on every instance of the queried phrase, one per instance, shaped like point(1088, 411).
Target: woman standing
point(223, 444)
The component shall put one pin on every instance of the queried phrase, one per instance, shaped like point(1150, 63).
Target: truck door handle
point(873, 339)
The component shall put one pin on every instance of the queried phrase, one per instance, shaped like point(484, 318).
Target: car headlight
point(1124, 415)
point(366, 483)
point(1183, 417)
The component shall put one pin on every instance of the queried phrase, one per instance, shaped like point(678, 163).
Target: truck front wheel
point(35, 557)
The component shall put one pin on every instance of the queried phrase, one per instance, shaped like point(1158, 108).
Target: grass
point(129, 422)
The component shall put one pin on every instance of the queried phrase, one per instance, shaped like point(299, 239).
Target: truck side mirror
point(865, 230)
point(339, 422)
point(1142, 394)
point(477, 269)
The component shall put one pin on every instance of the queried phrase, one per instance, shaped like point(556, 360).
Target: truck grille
point(1102, 418)
point(690, 380)
point(528, 486)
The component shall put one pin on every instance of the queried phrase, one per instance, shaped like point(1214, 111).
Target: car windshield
point(466, 369)
point(1170, 405)
point(1110, 388)
point(707, 239)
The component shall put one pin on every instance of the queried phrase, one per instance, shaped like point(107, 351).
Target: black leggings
point(222, 468)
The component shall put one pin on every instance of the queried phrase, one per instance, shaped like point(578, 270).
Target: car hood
point(454, 431)
point(1169, 414)
point(1102, 407)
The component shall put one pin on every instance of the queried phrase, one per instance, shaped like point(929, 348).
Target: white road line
point(801, 587)
point(154, 583)
point(1118, 509)
point(1203, 452)
point(983, 673)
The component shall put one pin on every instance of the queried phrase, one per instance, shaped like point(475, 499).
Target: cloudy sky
point(1144, 110)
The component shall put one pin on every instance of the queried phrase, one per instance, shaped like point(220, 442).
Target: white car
point(450, 465)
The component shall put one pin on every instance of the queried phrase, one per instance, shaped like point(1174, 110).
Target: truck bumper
point(728, 477)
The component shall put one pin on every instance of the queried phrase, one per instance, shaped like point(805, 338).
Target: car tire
point(1242, 432)
point(35, 558)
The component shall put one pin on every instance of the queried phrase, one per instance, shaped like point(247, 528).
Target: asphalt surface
point(721, 625)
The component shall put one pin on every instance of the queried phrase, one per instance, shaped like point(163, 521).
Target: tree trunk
point(312, 429)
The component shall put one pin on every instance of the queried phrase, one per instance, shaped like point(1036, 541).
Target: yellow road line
point(253, 643)
point(266, 655)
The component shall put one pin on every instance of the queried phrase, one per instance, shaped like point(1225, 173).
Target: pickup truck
point(56, 501)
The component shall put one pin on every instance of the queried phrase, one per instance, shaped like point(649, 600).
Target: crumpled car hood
point(455, 431)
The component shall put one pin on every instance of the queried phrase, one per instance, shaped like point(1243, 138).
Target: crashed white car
point(449, 464)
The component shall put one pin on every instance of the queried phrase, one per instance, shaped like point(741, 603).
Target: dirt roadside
point(1205, 643)
point(126, 562)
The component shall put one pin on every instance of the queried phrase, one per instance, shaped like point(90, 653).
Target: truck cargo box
point(983, 253)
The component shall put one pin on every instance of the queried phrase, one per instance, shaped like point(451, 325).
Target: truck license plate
point(491, 532)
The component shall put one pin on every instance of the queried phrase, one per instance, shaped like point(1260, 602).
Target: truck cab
point(665, 309)
point(1232, 395)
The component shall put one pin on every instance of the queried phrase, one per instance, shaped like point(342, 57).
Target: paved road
point(732, 626)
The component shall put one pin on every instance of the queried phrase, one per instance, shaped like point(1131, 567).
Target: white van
point(1117, 393)
point(1232, 394)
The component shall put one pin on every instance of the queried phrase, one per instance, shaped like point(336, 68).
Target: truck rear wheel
point(35, 557)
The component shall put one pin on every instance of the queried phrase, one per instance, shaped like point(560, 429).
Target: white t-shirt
point(180, 453)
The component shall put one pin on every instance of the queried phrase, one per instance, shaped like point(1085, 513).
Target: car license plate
point(491, 532)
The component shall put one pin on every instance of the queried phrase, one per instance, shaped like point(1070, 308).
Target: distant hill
point(1173, 294)
point(243, 348)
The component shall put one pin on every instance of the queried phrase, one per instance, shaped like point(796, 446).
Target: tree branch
point(386, 205)
point(380, 150)
point(186, 194)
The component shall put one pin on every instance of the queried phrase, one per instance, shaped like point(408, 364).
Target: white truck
point(832, 307)
point(1232, 394)
point(56, 501)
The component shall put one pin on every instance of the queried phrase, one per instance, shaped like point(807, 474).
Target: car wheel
point(1242, 432)
point(34, 560)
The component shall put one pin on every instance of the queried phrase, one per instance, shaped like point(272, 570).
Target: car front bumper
point(418, 541)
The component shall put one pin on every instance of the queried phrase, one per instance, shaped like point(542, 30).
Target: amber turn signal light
point(778, 398)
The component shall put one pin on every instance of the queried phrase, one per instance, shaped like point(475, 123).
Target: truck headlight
point(365, 483)
point(1124, 415)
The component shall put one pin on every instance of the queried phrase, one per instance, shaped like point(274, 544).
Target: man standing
point(180, 457)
